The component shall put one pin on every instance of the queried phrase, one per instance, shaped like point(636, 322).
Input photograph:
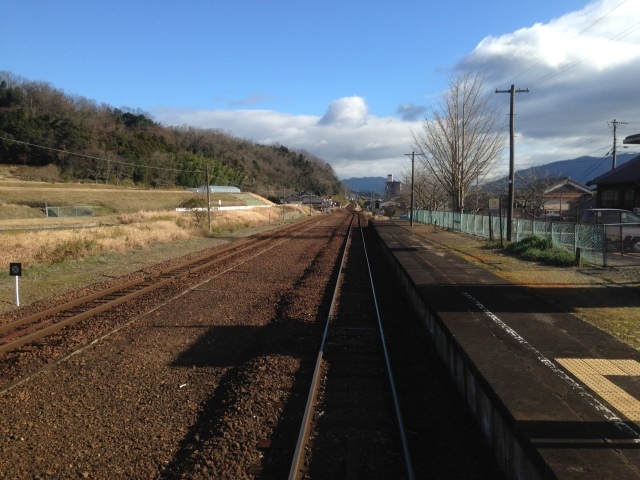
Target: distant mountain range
point(581, 169)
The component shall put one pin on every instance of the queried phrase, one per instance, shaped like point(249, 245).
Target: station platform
point(555, 397)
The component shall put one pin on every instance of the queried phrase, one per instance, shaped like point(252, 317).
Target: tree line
point(41, 126)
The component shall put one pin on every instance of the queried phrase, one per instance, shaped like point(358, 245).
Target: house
point(304, 198)
point(565, 195)
point(619, 188)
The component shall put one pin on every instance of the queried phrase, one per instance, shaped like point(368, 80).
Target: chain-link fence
point(606, 245)
point(69, 211)
point(622, 241)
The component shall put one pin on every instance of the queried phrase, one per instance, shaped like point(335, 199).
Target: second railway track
point(36, 329)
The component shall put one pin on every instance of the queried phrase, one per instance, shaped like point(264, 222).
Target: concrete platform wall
point(515, 455)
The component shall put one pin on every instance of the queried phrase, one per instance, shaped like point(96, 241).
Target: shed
point(215, 189)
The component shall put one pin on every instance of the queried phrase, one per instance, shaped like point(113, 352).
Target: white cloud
point(354, 143)
point(346, 112)
point(581, 69)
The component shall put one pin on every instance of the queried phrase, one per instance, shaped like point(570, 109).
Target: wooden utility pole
point(413, 157)
point(208, 201)
point(615, 151)
point(512, 91)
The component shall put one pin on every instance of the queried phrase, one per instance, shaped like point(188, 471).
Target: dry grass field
point(27, 199)
point(129, 228)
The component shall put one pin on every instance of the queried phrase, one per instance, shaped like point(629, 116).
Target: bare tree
point(458, 141)
point(428, 193)
point(532, 184)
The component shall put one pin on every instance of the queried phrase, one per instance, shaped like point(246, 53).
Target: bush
point(539, 249)
point(48, 173)
point(533, 242)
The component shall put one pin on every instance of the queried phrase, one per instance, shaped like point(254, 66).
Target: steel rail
point(298, 457)
point(408, 464)
point(185, 268)
point(226, 253)
point(37, 335)
point(303, 436)
point(67, 306)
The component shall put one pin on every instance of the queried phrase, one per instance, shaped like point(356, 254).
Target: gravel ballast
point(184, 391)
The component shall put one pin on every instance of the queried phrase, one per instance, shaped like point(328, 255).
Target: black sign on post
point(15, 269)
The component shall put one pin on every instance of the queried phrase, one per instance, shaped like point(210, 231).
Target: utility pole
point(512, 91)
point(413, 156)
point(283, 202)
point(208, 201)
point(615, 151)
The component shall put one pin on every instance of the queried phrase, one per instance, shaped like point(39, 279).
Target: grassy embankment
point(124, 219)
point(130, 229)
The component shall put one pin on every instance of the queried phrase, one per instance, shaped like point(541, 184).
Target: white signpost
point(15, 270)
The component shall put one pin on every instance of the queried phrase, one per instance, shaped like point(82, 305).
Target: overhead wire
point(576, 36)
point(629, 30)
point(580, 60)
point(99, 158)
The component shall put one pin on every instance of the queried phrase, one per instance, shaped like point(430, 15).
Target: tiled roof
point(627, 173)
point(568, 186)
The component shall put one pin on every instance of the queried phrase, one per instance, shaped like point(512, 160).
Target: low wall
point(513, 451)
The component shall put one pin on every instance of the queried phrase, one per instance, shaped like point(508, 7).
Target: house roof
point(304, 197)
point(632, 139)
point(567, 187)
point(627, 173)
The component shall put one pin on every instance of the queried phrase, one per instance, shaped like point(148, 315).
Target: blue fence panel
point(590, 239)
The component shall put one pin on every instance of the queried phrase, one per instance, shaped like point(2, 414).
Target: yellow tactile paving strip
point(593, 372)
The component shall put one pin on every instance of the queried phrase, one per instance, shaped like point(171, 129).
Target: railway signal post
point(15, 270)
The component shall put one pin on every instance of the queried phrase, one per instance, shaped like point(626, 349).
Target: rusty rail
point(38, 325)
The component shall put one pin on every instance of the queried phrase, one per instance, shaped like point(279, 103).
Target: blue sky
point(346, 81)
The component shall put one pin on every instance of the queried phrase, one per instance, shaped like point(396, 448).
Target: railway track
point(353, 412)
point(218, 362)
point(35, 329)
point(351, 426)
point(377, 403)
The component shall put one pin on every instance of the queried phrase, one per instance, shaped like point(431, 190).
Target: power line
point(99, 158)
point(610, 11)
point(577, 62)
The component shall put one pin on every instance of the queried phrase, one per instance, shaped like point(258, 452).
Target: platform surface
point(572, 390)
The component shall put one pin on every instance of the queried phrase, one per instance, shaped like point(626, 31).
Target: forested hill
point(41, 125)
